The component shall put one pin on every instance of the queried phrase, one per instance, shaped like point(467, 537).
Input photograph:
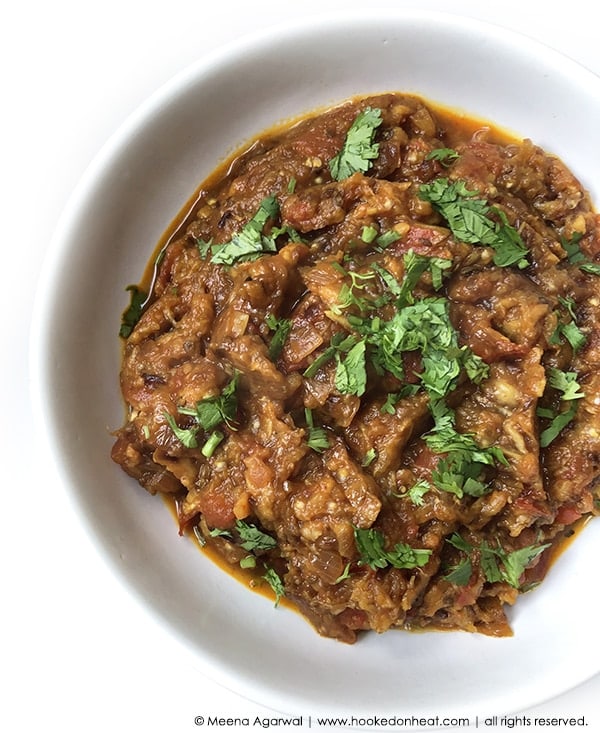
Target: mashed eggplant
point(367, 367)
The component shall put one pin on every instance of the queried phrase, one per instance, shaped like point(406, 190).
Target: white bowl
point(130, 194)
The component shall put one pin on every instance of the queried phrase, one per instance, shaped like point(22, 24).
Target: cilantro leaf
point(358, 150)
point(417, 491)
point(317, 437)
point(565, 382)
point(469, 221)
point(570, 330)
point(253, 539)
point(208, 414)
point(576, 257)
point(276, 584)
point(559, 421)
point(351, 372)
point(212, 411)
point(339, 342)
point(186, 436)
point(443, 155)
point(250, 242)
point(133, 313)
point(496, 563)
point(370, 545)
point(281, 328)
point(347, 295)
point(461, 573)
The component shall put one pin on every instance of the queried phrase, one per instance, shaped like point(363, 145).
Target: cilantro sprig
point(445, 156)
point(349, 354)
point(316, 436)
point(208, 414)
point(566, 383)
point(576, 257)
point(358, 150)
point(251, 241)
point(281, 328)
point(469, 220)
point(276, 583)
point(497, 565)
point(569, 329)
point(462, 468)
point(254, 539)
point(370, 544)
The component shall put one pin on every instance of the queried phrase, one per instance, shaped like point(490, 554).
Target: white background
point(77, 654)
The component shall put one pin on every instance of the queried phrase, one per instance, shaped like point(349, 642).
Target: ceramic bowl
point(135, 187)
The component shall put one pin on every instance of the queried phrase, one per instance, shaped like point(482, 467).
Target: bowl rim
point(208, 64)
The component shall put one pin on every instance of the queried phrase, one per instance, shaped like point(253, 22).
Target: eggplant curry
point(366, 367)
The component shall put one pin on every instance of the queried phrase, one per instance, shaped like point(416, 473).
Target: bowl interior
point(128, 197)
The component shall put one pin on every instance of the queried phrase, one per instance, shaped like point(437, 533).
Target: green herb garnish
point(134, 311)
point(254, 539)
point(281, 328)
point(497, 564)
point(443, 155)
point(251, 241)
point(276, 584)
point(208, 414)
point(370, 545)
point(567, 384)
point(358, 150)
point(576, 257)
point(186, 436)
point(317, 437)
point(469, 220)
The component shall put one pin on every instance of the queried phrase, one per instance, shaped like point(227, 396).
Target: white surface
point(77, 652)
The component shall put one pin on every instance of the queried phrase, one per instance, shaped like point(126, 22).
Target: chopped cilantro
point(340, 342)
point(496, 564)
point(558, 421)
point(369, 457)
point(570, 330)
point(253, 539)
point(344, 575)
point(134, 311)
point(368, 234)
point(565, 382)
point(210, 445)
point(417, 491)
point(250, 242)
point(461, 471)
point(276, 584)
point(317, 437)
point(212, 411)
point(468, 219)
point(208, 414)
point(370, 545)
point(422, 326)
point(392, 399)
point(186, 436)
point(358, 150)
point(204, 246)
point(443, 155)
point(281, 328)
point(351, 372)
point(576, 257)
point(384, 240)
point(347, 295)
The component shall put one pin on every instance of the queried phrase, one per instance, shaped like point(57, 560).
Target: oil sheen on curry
point(367, 367)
